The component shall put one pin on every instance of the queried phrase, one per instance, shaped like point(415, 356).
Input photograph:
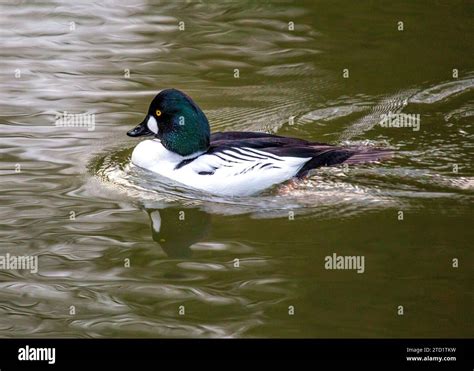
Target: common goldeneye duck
point(227, 163)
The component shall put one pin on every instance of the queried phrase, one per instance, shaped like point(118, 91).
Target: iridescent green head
point(177, 121)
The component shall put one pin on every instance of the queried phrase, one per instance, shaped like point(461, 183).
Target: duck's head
point(177, 121)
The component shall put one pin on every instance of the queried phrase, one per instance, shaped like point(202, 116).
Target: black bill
point(140, 130)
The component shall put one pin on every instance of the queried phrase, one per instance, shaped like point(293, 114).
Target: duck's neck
point(187, 133)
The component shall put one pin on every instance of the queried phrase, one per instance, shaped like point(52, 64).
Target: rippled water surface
point(123, 253)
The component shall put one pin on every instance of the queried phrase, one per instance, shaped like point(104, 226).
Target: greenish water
point(182, 246)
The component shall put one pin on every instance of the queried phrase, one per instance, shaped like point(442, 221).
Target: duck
point(230, 163)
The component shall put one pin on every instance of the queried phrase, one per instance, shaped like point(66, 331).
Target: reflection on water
point(127, 249)
point(175, 230)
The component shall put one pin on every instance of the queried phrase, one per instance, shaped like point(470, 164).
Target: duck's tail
point(333, 155)
point(365, 154)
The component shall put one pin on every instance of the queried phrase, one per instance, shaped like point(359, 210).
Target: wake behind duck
point(227, 163)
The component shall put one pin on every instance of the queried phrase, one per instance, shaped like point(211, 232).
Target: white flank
point(233, 172)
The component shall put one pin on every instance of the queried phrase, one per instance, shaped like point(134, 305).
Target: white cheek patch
point(152, 124)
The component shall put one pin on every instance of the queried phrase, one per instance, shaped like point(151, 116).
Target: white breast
point(151, 155)
point(233, 172)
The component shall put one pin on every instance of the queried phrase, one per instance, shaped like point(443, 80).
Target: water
point(59, 56)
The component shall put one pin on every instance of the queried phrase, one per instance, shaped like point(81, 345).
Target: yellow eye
point(158, 112)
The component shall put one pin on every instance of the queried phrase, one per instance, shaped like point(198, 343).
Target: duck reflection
point(176, 229)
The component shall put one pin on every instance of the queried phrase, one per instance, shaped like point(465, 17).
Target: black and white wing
point(240, 163)
point(278, 148)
